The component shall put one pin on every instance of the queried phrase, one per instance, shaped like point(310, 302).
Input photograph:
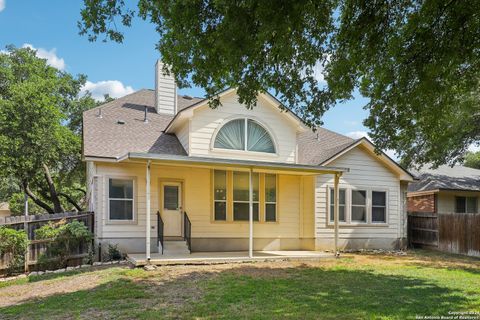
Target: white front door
point(172, 208)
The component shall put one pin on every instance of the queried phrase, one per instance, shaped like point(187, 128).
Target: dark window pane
point(270, 188)
point(460, 204)
point(120, 189)
point(341, 213)
point(378, 214)
point(241, 211)
point(379, 198)
point(170, 197)
point(359, 197)
point(121, 210)
point(270, 212)
point(472, 205)
point(220, 185)
point(220, 211)
point(359, 214)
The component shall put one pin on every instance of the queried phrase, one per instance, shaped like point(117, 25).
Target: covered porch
point(248, 236)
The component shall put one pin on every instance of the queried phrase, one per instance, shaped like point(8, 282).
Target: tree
point(472, 160)
point(417, 61)
point(40, 142)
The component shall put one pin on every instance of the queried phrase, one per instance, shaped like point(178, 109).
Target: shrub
point(13, 243)
point(112, 253)
point(65, 239)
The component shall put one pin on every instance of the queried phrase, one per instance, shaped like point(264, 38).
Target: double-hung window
point(359, 206)
point(466, 204)
point(241, 189)
point(220, 195)
point(379, 207)
point(120, 199)
point(270, 197)
point(341, 205)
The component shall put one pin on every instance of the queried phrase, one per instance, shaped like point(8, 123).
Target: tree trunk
point(36, 199)
point(70, 200)
point(57, 206)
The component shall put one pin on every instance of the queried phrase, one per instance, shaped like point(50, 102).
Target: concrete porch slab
point(139, 259)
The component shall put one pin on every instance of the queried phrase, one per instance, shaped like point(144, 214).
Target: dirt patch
point(16, 294)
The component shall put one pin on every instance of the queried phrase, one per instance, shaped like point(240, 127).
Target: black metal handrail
point(187, 231)
point(160, 229)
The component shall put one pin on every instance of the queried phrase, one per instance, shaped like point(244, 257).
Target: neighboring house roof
point(105, 137)
point(446, 178)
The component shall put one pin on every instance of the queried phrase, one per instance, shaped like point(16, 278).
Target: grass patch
point(357, 286)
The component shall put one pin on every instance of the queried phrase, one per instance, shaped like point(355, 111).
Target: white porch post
point(148, 227)
point(250, 214)
point(335, 211)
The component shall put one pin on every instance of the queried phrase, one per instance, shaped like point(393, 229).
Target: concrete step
point(175, 248)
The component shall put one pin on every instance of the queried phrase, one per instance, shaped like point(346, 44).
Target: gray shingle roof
point(317, 147)
point(105, 137)
point(446, 178)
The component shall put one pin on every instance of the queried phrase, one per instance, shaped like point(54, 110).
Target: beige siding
point(365, 173)
point(183, 136)
point(206, 121)
point(295, 204)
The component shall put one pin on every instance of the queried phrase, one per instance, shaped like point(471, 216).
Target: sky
point(116, 69)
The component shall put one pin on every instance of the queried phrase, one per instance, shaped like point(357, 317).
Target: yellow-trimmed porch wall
point(294, 228)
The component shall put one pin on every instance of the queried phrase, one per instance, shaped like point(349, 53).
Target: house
point(4, 210)
point(445, 190)
point(163, 167)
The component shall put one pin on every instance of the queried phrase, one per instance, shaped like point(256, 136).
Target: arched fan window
point(244, 134)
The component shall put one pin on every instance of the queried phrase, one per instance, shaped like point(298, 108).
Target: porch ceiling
point(256, 166)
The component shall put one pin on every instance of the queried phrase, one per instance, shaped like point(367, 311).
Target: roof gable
point(187, 112)
point(369, 147)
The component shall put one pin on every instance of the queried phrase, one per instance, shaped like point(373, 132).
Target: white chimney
point(165, 91)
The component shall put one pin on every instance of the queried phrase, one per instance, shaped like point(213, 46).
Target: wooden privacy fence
point(38, 247)
point(449, 232)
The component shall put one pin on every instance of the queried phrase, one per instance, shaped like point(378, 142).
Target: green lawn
point(353, 287)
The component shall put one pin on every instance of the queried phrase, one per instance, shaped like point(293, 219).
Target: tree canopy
point(40, 142)
point(472, 160)
point(417, 61)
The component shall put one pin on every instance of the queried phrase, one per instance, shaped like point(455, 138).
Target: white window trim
point(245, 151)
point(348, 207)
point(134, 202)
